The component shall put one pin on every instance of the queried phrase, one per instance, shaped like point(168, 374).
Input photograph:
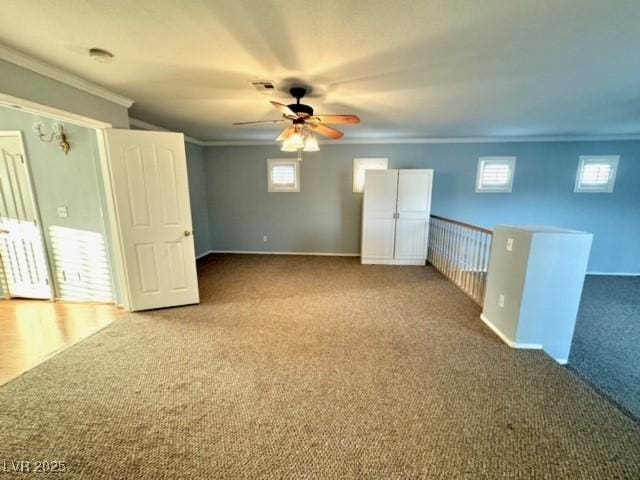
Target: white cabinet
point(395, 216)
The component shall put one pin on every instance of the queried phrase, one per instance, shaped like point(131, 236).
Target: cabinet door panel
point(414, 209)
point(379, 233)
point(379, 208)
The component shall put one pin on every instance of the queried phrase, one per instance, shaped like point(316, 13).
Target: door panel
point(379, 233)
point(411, 239)
point(22, 253)
point(379, 208)
point(149, 177)
point(414, 209)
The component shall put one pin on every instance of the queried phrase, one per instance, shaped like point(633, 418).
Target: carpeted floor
point(313, 368)
point(606, 343)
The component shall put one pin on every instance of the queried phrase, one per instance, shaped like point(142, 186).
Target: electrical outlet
point(63, 212)
point(501, 301)
point(509, 244)
point(265, 239)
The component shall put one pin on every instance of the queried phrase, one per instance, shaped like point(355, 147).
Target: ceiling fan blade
point(332, 133)
point(286, 133)
point(260, 121)
point(284, 109)
point(336, 119)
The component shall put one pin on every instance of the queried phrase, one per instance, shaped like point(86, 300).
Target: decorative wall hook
point(57, 133)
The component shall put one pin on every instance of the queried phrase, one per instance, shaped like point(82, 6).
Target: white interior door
point(22, 252)
point(414, 208)
point(379, 210)
point(151, 193)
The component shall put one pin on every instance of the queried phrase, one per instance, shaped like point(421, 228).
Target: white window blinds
point(596, 173)
point(495, 174)
point(283, 175)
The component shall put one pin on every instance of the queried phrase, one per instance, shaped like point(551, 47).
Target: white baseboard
point(204, 254)
point(263, 252)
point(392, 261)
point(505, 339)
point(615, 274)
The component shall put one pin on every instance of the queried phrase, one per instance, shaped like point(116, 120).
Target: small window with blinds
point(284, 175)
point(596, 173)
point(495, 174)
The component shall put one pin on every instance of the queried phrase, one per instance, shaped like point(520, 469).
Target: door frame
point(113, 232)
point(36, 208)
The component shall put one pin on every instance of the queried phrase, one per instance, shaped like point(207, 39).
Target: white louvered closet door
point(22, 253)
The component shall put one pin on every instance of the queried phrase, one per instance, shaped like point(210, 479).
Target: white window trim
point(612, 160)
point(356, 165)
point(271, 162)
point(508, 187)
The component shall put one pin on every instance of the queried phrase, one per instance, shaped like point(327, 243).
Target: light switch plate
point(501, 301)
point(63, 212)
point(265, 239)
point(509, 244)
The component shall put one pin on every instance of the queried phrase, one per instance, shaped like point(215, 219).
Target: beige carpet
point(312, 368)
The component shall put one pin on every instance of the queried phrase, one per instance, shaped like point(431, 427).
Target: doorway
point(24, 267)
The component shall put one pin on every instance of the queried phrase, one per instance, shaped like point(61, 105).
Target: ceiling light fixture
point(311, 143)
point(100, 55)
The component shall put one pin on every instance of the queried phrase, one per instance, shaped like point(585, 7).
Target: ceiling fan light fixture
point(294, 141)
point(311, 143)
point(288, 148)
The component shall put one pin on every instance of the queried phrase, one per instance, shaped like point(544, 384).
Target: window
point(284, 175)
point(596, 174)
point(360, 165)
point(495, 174)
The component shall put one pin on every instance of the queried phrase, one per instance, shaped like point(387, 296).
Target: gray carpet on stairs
point(606, 342)
point(313, 368)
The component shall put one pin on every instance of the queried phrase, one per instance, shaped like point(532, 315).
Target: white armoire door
point(22, 252)
point(151, 193)
point(414, 209)
point(379, 208)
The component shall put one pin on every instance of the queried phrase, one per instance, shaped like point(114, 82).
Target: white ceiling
point(408, 68)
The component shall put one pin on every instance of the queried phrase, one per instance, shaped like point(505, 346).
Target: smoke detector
point(100, 55)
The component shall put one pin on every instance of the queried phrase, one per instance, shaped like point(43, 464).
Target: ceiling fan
point(299, 135)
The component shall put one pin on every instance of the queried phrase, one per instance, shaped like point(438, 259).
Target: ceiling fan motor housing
point(299, 108)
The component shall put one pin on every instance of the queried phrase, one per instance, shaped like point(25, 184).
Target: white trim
point(16, 103)
point(40, 67)
point(136, 122)
point(264, 252)
point(202, 255)
point(393, 261)
point(112, 216)
point(505, 339)
point(615, 274)
point(390, 141)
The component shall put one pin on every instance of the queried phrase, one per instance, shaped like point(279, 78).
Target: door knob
point(187, 233)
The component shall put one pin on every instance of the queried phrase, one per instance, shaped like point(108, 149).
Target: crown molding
point(406, 141)
point(136, 122)
point(38, 66)
point(33, 108)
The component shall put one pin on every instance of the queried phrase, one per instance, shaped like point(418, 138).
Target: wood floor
point(33, 330)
